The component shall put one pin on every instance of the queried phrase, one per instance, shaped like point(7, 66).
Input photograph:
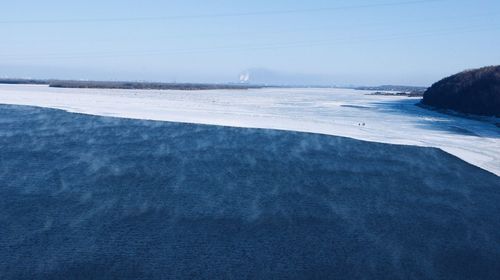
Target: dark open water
point(86, 197)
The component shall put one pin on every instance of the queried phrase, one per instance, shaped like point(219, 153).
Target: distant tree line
point(24, 81)
point(126, 85)
point(403, 89)
point(146, 85)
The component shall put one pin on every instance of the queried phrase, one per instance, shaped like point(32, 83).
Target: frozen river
point(341, 112)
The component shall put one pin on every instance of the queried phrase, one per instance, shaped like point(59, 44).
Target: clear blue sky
point(362, 42)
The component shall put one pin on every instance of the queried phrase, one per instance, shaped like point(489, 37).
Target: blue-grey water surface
point(87, 197)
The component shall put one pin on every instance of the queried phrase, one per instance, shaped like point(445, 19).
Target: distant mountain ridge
point(472, 92)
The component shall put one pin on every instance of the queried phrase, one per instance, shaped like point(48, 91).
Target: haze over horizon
point(320, 42)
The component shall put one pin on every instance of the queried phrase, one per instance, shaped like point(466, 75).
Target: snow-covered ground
point(342, 112)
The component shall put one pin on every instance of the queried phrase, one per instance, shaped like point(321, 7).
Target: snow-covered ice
point(387, 119)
